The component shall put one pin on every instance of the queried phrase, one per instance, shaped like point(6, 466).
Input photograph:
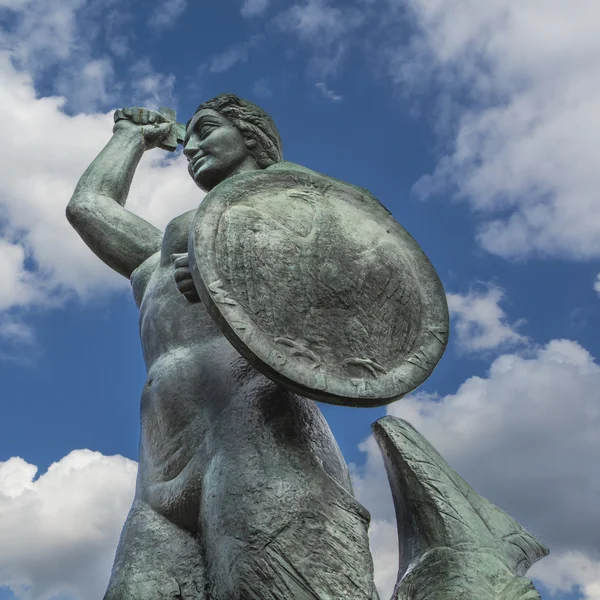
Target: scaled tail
point(453, 543)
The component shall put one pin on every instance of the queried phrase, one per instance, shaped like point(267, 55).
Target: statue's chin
point(208, 177)
point(204, 182)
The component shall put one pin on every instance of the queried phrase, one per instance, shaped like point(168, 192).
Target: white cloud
point(597, 284)
point(117, 24)
point(316, 21)
point(167, 13)
point(480, 323)
point(16, 330)
point(17, 285)
point(527, 437)
point(521, 78)
point(60, 35)
point(58, 533)
point(569, 572)
point(254, 8)
point(327, 29)
point(18, 342)
point(239, 53)
point(44, 33)
point(262, 88)
point(13, 4)
point(230, 57)
point(89, 86)
point(327, 93)
point(150, 88)
point(44, 152)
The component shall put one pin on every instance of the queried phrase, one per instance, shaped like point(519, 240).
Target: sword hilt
point(177, 133)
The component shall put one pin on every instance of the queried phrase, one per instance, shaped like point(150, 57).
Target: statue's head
point(228, 135)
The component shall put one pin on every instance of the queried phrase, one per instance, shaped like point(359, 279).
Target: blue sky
point(475, 123)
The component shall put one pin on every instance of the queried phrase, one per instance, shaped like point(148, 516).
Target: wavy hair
point(251, 121)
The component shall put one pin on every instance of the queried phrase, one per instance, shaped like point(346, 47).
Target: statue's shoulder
point(285, 165)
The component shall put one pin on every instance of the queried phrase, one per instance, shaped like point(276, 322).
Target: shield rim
point(208, 215)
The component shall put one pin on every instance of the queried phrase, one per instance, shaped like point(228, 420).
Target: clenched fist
point(155, 128)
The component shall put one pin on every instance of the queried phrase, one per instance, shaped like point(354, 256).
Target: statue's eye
point(205, 130)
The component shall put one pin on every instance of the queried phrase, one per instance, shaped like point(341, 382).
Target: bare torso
point(203, 404)
point(242, 491)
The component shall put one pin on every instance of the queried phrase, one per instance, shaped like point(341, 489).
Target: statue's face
point(215, 149)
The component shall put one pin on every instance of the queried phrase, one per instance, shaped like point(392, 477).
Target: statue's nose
point(190, 149)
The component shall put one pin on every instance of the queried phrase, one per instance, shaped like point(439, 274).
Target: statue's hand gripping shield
point(317, 286)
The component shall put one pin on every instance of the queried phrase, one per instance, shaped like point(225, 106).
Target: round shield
point(318, 287)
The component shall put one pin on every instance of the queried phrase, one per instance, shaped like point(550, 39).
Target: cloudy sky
point(474, 122)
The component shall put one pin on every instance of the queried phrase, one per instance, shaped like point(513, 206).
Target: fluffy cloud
point(527, 437)
point(60, 36)
point(20, 288)
point(18, 342)
point(167, 13)
point(570, 571)
point(230, 57)
point(89, 86)
point(480, 323)
point(253, 8)
point(43, 154)
point(150, 88)
point(57, 44)
point(547, 401)
point(520, 95)
point(44, 33)
point(515, 100)
point(326, 29)
point(327, 93)
point(59, 532)
point(13, 4)
point(238, 53)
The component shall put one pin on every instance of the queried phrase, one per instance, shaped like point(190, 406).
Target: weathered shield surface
point(318, 287)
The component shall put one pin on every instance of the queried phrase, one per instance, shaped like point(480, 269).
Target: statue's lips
point(195, 165)
point(197, 161)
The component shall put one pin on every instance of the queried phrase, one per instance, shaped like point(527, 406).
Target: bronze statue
point(242, 492)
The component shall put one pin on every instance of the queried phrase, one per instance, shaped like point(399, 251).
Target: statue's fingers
point(155, 117)
point(128, 113)
point(180, 260)
point(186, 286)
point(119, 116)
point(181, 274)
point(192, 297)
point(148, 116)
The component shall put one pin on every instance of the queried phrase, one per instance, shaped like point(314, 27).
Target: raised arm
point(96, 210)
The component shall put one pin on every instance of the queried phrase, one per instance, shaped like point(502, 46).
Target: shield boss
point(317, 286)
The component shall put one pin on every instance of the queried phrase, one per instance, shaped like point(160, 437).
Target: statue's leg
point(156, 560)
point(277, 521)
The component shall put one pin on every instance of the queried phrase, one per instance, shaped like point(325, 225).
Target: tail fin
point(452, 541)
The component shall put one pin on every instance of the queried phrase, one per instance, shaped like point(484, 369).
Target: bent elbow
point(79, 210)
point(74, 211)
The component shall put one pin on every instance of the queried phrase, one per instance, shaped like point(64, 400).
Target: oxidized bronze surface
point(318, 287)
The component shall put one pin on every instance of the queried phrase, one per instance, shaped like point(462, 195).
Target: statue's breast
point(175, 240)
point(141, 276)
